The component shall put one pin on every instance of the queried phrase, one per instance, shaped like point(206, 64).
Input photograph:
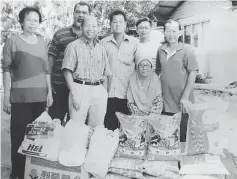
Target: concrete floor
point(5, 146)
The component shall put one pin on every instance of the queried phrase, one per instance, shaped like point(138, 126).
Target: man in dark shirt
point(57, 47)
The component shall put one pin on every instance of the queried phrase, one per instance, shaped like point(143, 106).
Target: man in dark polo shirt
point(57, 47)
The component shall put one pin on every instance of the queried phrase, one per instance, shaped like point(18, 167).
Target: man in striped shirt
point(57, 47)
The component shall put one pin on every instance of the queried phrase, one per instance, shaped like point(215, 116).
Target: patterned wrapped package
point(162, 169)
point(132, 139)
point(164, 138)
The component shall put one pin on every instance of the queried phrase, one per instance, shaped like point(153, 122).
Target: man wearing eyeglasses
point(147, 47)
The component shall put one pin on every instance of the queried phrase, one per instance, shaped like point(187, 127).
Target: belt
point(87, 82)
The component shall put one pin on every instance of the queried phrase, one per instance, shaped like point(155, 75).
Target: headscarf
point(143, 96)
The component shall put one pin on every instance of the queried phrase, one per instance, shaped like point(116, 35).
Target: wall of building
point(217, 53)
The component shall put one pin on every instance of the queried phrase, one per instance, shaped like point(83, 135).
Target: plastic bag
point(169, 176)
point(115, 176)
point(133, 133)
point(163, 169)
point(164, 138)
point(127, 173)
point(207, 132)
point(42, 138)
point(203, 164)
point(74, 143)
point(103, 145)
point(126, 163)
point(202, 177)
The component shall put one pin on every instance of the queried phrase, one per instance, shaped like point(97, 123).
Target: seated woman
point(144, 92)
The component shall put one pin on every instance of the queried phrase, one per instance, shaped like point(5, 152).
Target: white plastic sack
point(42, 138)
point(103, 145)
point(202, 177)
point(205, 164)
point(74, 143)
point(113, 176)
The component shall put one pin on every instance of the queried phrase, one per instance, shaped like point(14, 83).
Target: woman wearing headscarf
point(144, 91)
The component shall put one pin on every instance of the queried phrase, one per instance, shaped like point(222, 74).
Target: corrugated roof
point(164, 9)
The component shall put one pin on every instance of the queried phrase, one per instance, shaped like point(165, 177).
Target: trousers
point(92, 102)
point(115, 105)
point(59, 107)
point(21, 115)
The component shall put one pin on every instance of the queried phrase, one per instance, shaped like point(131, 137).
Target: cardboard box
point(37, 168)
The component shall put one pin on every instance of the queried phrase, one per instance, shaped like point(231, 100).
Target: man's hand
point(7, 105)
point(75, 103)
point(183, 107)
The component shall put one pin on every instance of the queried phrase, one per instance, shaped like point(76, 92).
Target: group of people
point(91, 80)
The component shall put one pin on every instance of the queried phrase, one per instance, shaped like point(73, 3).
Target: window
point(234, 5)
point(187, 34)
point(194, 33)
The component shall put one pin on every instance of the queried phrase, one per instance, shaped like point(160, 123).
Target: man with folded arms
point(85, 67)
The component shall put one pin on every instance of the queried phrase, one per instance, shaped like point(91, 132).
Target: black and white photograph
point(118, 89)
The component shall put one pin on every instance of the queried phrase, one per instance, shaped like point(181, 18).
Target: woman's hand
point(49, 99)
point(7, 104)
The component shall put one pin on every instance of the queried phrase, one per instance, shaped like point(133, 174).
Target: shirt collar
point(95, 41)
point(125, 37)
point(179, 46)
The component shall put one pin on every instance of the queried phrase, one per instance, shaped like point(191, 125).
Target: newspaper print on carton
point(164, 138)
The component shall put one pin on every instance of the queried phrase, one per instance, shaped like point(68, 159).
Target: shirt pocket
point(83, 55)
point(127, 55)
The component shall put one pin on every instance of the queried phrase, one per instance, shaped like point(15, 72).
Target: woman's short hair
point(26, 11)
point(117, 12)
point(144, 19)
point(180, 28)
